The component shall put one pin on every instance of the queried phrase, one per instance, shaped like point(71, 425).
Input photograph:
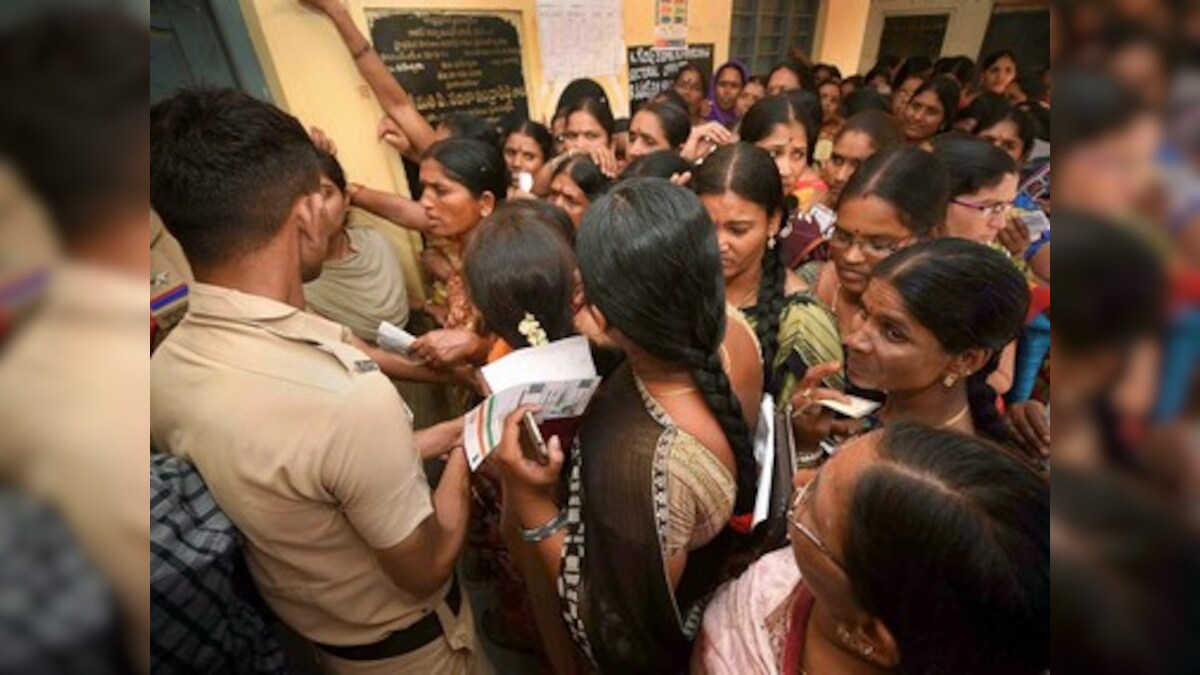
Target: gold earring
point(949, 380)
point(843, 634)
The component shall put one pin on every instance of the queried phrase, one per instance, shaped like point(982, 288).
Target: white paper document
point(394, 339)
point(764, 454)
point(559, 377)
point(580, 38)
point(567, 359)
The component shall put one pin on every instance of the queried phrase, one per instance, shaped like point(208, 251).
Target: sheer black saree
point(617, 598)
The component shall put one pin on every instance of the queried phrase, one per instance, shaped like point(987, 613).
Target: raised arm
point(391, 96)
point(402, 211)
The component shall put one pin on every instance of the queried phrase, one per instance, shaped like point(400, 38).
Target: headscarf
point(726, 117)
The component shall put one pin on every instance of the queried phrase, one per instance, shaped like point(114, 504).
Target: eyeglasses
point(872, 247)
point(799, 502)
point(998, 209)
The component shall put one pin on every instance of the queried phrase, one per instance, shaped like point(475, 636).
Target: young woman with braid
point(935, 320)
point(661, 477)
point(741, 188)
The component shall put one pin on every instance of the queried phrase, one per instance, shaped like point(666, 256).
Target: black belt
point(403, 641)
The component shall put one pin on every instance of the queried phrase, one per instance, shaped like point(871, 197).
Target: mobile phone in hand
point(533, 446)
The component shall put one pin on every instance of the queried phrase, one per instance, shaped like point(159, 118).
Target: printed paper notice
point(580, 38)
point(670, 23)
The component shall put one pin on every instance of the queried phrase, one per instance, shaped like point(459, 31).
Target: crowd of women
point(768, 252)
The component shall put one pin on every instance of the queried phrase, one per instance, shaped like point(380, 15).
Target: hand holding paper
point(560, 378)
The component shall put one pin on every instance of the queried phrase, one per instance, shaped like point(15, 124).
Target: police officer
point(303, 442)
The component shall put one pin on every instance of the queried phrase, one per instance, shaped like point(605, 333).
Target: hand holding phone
point(533, 446)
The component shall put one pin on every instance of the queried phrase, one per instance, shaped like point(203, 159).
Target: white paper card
point(825, 218)
point(567, 359)
point(1037, 223)
point(764, 454)
point(559, 377)
point(394, 339)
point(580, 38)
point(857, 408)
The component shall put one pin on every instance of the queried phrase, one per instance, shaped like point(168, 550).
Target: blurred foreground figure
point(1123, 584)
point(73, 398)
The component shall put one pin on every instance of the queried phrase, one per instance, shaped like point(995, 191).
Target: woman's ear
point(487, 204)
point(971, 361)
point(877, 644)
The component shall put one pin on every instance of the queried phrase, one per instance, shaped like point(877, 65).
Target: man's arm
point(373, 469)
point(425, 560)
point(398, 367)
point(392, 97)
point(439, 439)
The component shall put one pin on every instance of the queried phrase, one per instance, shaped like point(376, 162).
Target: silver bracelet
point(547, 530)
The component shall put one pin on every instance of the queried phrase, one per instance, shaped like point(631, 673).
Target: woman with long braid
point(661, 478)
point(740, 187)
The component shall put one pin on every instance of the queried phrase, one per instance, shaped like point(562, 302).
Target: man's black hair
point(225, 171)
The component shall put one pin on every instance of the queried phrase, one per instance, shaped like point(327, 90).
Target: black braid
point(710, 377)
point(750, 174)
point(981, 396)
point(649, 260)
point(771, 300)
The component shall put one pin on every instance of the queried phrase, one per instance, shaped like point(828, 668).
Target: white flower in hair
point(532, 330)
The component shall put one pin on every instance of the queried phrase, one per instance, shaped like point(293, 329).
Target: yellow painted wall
point(311, 75)
point(849, 31)
point(841, 29)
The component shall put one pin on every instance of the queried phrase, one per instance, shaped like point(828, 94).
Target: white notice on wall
point(580, 38)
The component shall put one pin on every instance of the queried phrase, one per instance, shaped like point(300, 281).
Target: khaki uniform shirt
point(74, 411)
point(170, 275)
point(308, 449)
point(28, 249)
